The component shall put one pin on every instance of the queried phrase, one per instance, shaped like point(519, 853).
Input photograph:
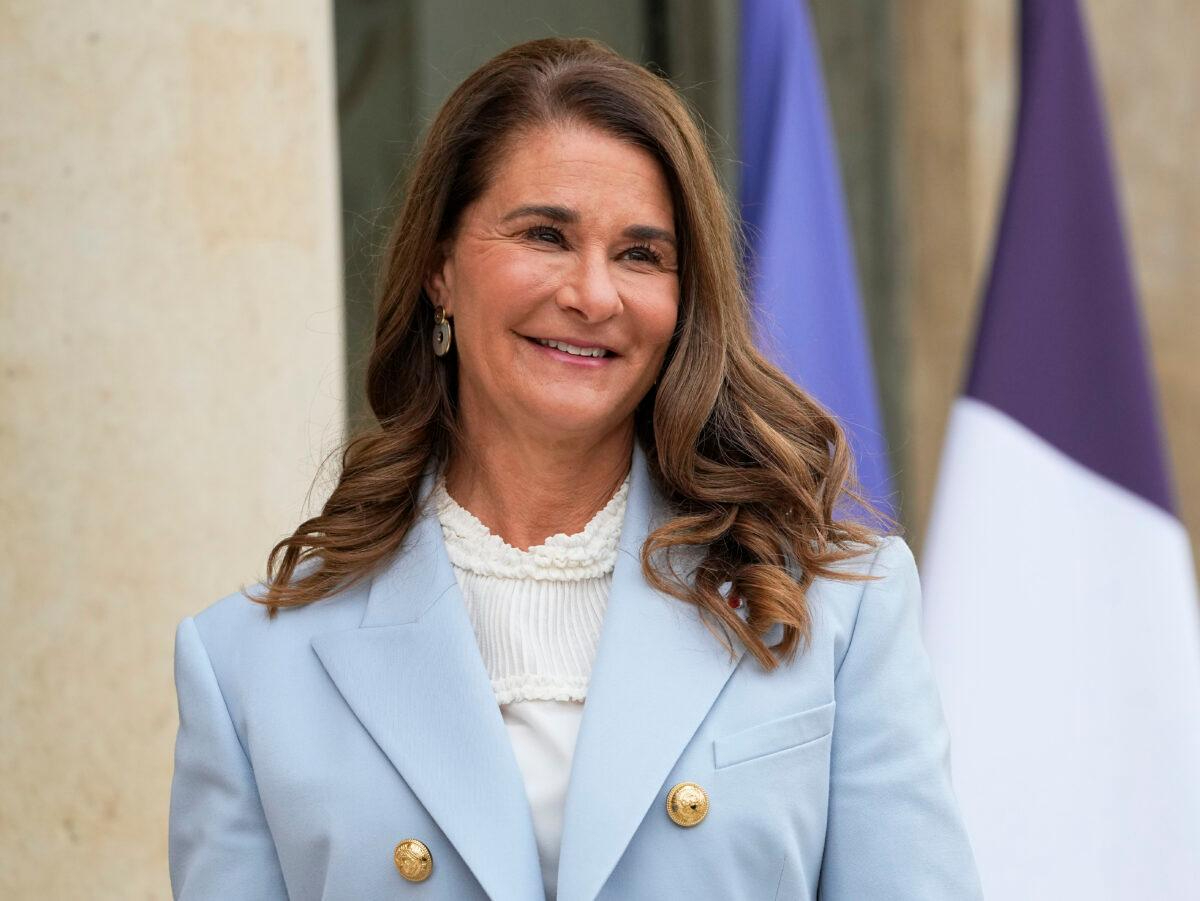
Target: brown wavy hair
point(753, 467)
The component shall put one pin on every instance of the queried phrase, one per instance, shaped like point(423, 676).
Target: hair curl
point(753, 466)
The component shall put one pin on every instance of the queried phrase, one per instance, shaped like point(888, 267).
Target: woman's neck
point(527, 490)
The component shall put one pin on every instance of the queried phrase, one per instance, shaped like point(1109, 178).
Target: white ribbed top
point(537, 613)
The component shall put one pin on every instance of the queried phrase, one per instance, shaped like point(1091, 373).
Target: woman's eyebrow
point(553, 213)
point(649, 233)
point(571, 217)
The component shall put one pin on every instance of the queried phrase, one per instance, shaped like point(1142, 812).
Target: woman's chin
point(562, 417)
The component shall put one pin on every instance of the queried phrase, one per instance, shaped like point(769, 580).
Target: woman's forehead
point(579, 169)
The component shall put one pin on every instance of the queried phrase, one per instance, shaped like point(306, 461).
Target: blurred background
point(192, 201)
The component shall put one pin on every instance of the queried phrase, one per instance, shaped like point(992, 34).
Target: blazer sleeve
point(219, 844)
point(894, 829)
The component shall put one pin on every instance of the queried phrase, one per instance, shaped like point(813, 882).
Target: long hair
point(753, 467)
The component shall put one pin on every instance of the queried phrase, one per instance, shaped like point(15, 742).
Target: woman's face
point(572, 242)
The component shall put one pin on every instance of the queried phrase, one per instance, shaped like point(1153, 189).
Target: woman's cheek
point(534, 267)
point(665, 315)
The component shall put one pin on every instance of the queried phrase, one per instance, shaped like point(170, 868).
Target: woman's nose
point(590, 289)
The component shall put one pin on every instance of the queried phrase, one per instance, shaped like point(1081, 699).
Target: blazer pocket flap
point(774, 735)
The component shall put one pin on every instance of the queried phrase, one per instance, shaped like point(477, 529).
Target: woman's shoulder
point(894, 567)
point(238, 629)
point(888, 557)
point(891, 572)
point(234, 656)
point(885, 558)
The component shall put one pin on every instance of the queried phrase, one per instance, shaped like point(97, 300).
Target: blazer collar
point(413, 675)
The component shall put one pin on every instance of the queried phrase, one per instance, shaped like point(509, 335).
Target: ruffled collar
point(584, 555)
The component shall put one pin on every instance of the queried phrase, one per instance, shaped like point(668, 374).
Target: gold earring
point(442, 335)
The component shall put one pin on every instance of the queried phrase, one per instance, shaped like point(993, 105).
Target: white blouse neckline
point(586, 554)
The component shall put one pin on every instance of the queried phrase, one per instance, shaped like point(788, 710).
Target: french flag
point(1060, 603)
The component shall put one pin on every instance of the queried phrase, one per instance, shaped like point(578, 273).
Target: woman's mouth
point(579, 355)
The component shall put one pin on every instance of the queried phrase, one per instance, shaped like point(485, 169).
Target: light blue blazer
point(309, 746)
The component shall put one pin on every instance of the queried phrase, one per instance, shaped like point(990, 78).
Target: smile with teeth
point(572, 349)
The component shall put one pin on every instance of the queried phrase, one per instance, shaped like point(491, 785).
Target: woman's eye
point(546, 233)
point(549, 234)
point(645, 254)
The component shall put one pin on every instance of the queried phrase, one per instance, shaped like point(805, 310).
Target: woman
point(586, 486)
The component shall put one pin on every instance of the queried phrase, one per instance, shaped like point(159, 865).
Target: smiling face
point(574, 242)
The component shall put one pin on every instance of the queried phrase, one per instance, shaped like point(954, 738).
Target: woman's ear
point(437, 283)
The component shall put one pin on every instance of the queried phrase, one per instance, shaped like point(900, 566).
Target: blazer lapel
point(657, 672)
point(413, 675)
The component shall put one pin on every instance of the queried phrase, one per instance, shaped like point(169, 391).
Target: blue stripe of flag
point(806, 293)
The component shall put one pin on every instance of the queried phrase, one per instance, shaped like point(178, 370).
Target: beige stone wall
point(958, 64)
point(957, 96)
point(171, 350)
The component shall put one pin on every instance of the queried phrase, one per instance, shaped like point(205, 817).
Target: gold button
point(687, 804)
point(413, 860)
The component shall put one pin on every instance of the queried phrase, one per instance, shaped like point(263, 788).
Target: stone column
point(958, 88)
point(171, 342)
